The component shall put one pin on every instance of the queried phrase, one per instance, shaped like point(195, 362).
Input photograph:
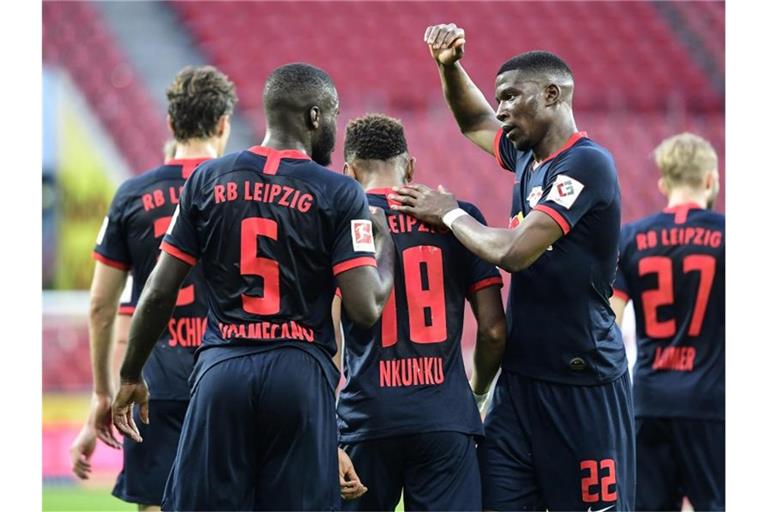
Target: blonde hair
point(685, 159)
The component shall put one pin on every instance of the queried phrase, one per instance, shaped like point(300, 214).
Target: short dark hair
point(537, 61)
point(197, 99)
point(296, 85)
point(374, 137)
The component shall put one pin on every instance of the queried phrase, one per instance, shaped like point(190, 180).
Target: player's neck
point(196, 148)
point(283, 141)
point(683, 196)
point(555, 138)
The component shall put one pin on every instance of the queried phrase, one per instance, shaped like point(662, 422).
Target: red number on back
point(186, 295)
point(268, 269)
point(425, 296)
point(661, 296)
point(664, 294)
point(706, 265)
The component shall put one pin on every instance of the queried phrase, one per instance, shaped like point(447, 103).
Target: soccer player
point(672, 267)
point(273, 230)
point(200, 101)
point(407, 417)
point(559, 431)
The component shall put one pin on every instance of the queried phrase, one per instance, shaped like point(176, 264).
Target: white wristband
point(450, 217)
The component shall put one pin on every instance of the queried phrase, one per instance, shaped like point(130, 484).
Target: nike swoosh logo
point(601, 510)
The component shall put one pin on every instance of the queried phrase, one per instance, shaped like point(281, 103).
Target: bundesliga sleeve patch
point(565, 190)
point(173, 220)
point(362, 236)
point(125, 297)
point(102, 230)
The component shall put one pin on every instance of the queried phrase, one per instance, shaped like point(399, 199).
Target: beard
point(323, 147)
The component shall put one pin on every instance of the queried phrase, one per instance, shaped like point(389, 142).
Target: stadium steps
point(76, 39)
point(162, 50)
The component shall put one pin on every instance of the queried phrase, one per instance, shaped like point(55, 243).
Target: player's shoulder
point(588, 152)
point(145, 180)
point(471, 209)
point(709, 216)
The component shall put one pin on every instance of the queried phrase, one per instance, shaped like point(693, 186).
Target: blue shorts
point(680, 457)
point(433, 471)
point(260, 434)
point(558, 447)
point(146, 465)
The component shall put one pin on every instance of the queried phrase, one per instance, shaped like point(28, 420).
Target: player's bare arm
point(336, 320)
point(107, 284)
point(366, 289)
point(510, 249)
point(475, 117)
point(152, 314)
point(491, 339)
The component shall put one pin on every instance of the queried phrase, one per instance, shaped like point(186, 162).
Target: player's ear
point(349, 171)
point(663, 187)
point(169, 122)
point(222, 126)
point(314, 117)
point(709, 180)
point(410, 169)
point(552, 94)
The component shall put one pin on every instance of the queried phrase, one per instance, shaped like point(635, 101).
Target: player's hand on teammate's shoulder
point(122, 408)
point(424, 203)
point(446, 42)
point(351, 486)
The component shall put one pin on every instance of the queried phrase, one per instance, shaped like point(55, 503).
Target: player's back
point(130, 240)
point(405, 375)
point(672, 266)
point(271, 229)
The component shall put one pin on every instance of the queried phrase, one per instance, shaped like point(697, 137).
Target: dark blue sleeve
point(112, 240)
point(181, 239)
point(620, 286)
point(353, 232)
point(580, 180)
point(504, 151)
point(481, 273)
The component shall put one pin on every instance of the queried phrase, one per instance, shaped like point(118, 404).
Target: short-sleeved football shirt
point(130, 239)
point(672, 267)
point(405, 375)
point(560, 324)
point(271, 229)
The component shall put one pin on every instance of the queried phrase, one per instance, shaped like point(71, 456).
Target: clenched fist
point(446, 42)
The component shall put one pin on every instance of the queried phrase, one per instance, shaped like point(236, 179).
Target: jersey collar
point(573, 139)
point(275, 155)
point(188, 165)
point(383, 191)
point(681, 210)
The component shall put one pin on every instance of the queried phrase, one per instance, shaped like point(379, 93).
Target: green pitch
point(73, 497)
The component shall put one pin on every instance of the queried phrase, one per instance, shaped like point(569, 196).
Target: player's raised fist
point(446, 42)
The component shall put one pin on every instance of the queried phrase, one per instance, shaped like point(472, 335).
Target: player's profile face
point(325, 139)
point(518, 108)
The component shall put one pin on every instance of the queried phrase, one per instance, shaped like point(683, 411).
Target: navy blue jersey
point(271, 230)
point(560, 326)
point(672, 266)
point(405, 375)
point(130, 239)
